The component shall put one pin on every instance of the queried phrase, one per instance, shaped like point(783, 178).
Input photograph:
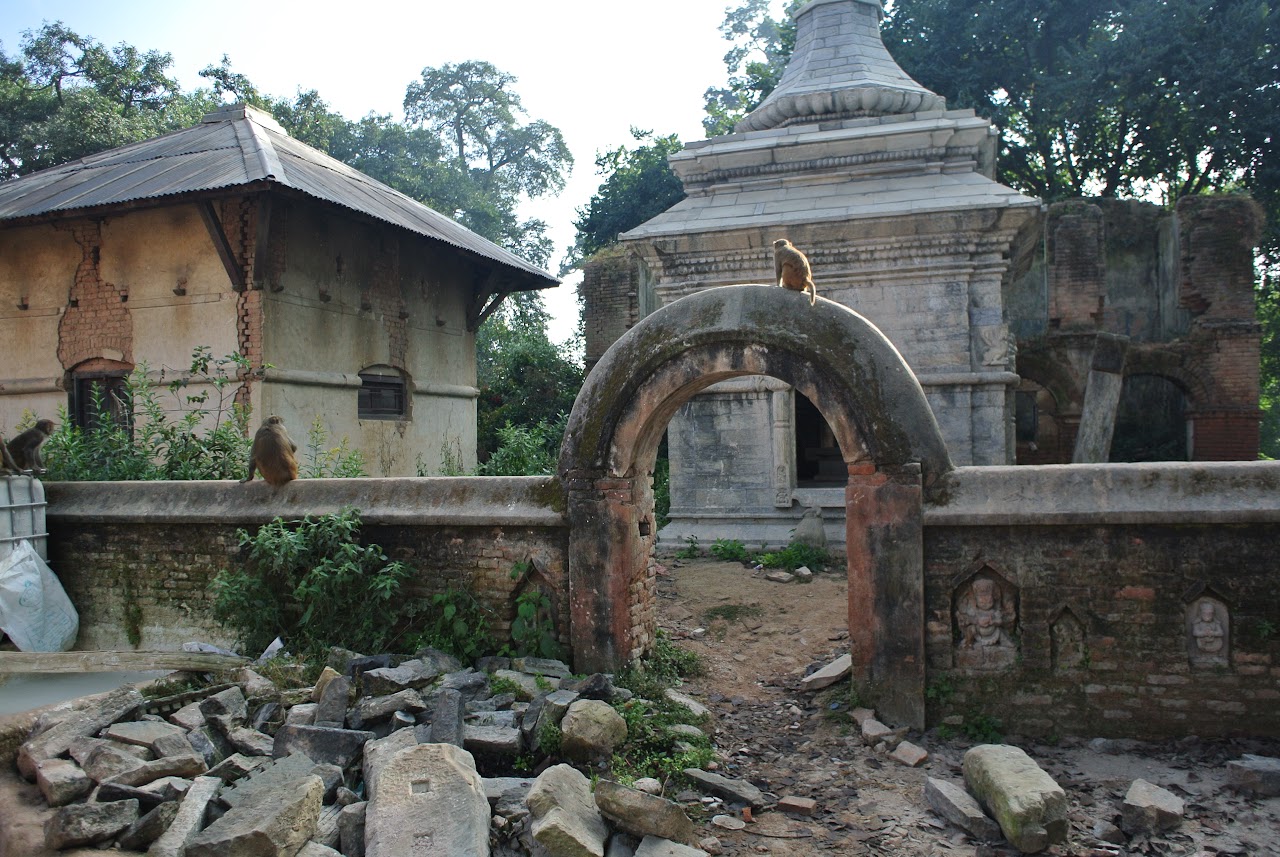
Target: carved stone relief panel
point(986, 621)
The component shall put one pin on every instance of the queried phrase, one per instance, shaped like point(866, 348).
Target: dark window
point(1026, 416)
point(382, 395)
point(99, 400)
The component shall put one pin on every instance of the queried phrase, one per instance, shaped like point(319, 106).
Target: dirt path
point(758, 638)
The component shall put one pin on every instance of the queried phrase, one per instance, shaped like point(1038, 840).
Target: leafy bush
point(312, 583)
point(526, 450)
point(730, 550)
point(458, 624)
point(690, 550)
point(321, 461)
point(795, 555)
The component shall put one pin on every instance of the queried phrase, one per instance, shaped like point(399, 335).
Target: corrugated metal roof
point(237, 145)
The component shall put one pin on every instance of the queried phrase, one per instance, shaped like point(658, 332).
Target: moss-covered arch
point(866, 392)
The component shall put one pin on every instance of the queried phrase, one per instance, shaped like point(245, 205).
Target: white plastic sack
point(34, 608)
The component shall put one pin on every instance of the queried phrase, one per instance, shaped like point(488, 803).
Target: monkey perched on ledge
point(791, 268)
point(23, 452)
point(272, 453)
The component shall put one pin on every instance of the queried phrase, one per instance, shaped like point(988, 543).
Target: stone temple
point(893, 198)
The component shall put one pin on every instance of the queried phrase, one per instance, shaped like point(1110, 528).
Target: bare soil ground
point(757, 639)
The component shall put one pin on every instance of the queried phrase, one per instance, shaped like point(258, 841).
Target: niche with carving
point(985, 611)
point(1068, 650)
point(1208, 628)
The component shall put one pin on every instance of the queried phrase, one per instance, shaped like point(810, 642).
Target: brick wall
point(144, 569)
point(610, 293)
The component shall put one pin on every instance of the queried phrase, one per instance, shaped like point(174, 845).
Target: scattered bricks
point(873, 731)
point(1147, 808)
point(798, 805)
point(909, 754)
point(959, 807)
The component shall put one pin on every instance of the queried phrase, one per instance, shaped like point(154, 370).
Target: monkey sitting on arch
point(23, 452)
point(272, 453)
point(791, 268)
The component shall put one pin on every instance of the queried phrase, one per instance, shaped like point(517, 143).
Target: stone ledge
point(528, 501)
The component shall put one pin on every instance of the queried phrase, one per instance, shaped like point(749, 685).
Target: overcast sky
point(593, 69)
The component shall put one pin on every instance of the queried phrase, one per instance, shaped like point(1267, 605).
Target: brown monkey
point(7, 464)
point(25, 448)
point(272, 453)
point(792, 269)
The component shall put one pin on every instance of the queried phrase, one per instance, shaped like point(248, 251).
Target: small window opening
point(382, 395)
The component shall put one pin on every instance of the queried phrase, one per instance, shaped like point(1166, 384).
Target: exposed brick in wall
point(1074, 236)
point(157, 577)
point(1129, 588)
point(382, 294)
point(610, 292)
point(1216, 239)
point(97, 321)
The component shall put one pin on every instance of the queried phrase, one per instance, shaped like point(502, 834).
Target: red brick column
point(886, 589)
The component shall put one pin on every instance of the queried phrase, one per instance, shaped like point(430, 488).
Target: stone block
point(296, 766)
point(1147, 808)
point(351, 829)
point(412, 674)
point(275, 824)
point(169, 766)
point(652, 846)
point(959, 807)
point(732, 790)
point(1029, 806)
point(641, 814)
point(61, 781)
point(909, 754)
point(1256, 775)
point(377, 753)
point(227, 703)
point(145, 733)
point(372, 709)
point(188, 820)
point(566, 821)
point(147, 829)
point(57, 740)
point(429, 802)
point(446, 719)
point(797, 805)
point(492, 740)
point(829, 675)
point(591, 729)
point(341, 747)
point(88, 823)
point(697, 709)
point(541, 666)
point(332, 705)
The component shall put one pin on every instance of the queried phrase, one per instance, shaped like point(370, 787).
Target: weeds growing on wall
point(312, 583)
point(321, 461)
point(189, 428)
point(458, 624)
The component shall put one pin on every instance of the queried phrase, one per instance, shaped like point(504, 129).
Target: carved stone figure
point(986, 617)
point(1207, 632)
point(1066, 640)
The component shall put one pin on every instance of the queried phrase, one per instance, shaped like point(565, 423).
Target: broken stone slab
point(697, 709)
point(82, 748)
point(236, 766)
point(410, 675)
point(861, 715)
point(275, 824)
point(144, 733)
point(591, 729)
point(471, 684)
point(804, 574)
point(327, 675)
point(1148, 808)
point(326, 832)
point(371, 709)
point(541, 666)
point(303, 714)
point(61, 781)
point(446, 718)
point(1258, 775)
point(428, 801)
point(530, 685)
point(173, 745)
point(909, 754)
point(653, 846)
point(332, 705)
point(566, 820)
point(641, 814)
point(188, 717)
point(780, 576)
point(828, 675)
point(88, 823)
point(873, 731)
point(210, 745)
point(798, 805)
point(147, 829)
point(315, 849)
point(595, 686)
point(621, 845)
point(278, 773)
point(441, 662)
point(57, 739)
point(377, 753)
point(351, 829)
point(147, 800)
point(188, 820)
point(227, 703)
point(959, 807)
point(1029, 806)
point(341, 747)
point(170, 766)
point(554, 707)
point(492, 740)
point(256, 686)
point(732, 790)
point(250, 742)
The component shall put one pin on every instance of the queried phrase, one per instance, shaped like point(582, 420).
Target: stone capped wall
point(140, 576)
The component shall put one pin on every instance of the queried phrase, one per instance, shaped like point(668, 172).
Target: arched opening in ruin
point(819, 462)
point(888, 439)
point(1151, 421)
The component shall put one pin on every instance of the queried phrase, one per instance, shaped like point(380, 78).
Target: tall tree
point(762, 45)
point(475, 112)
point(65, 96)
point(638, 184)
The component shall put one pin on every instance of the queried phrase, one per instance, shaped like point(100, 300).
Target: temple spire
point(840, 69)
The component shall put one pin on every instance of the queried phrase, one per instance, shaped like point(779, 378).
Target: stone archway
point(859, 382)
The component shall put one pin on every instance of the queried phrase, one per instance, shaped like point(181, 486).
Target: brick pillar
point(885, 547)
point(608, 571)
